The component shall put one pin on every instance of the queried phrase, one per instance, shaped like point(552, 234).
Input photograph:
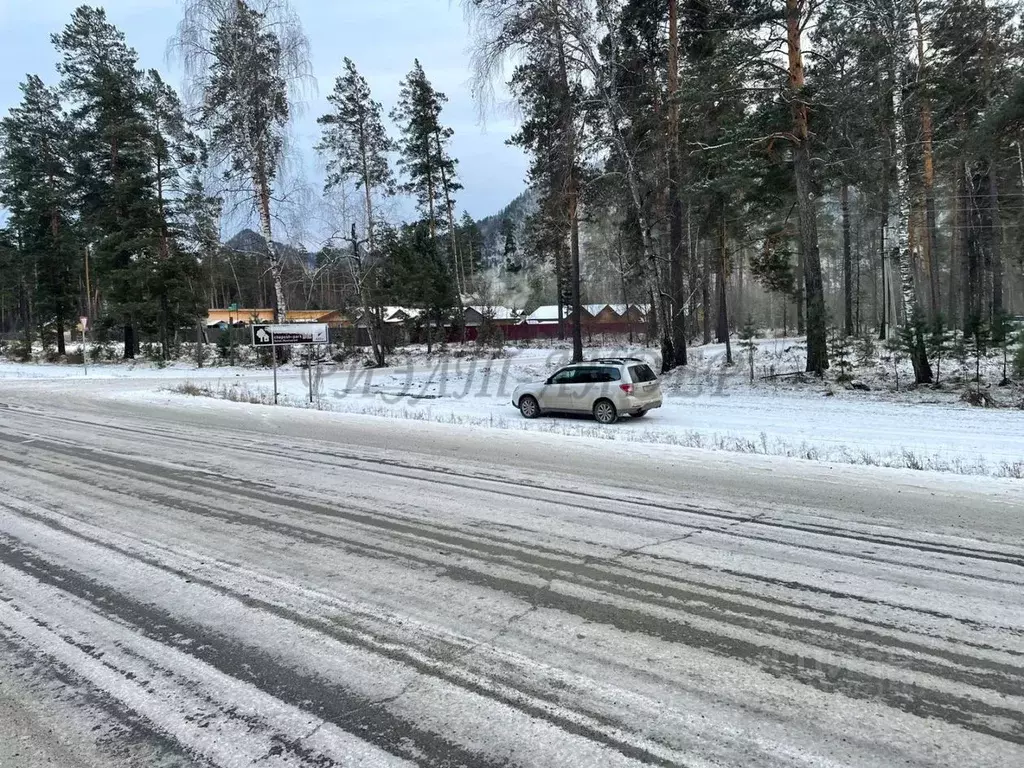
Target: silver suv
point(606, 388)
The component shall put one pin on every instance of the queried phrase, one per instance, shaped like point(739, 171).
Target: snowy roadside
point(708, 406)
point(940, 437)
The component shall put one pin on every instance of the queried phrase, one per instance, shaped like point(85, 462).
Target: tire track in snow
point(315, 701)
point(341, 458)
point(213, 493)
point(482, 543)
point(825, 676)
point(720, 736)
point(219, 717)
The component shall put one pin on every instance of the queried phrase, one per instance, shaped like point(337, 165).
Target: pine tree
point(678, 241)
point(747, 342)
point(510, 251)
point(195, 228)
point(179, 160)
point(850, 114)
point(538, 89)
point(356, 146)
point(913, 336)
point(421, 276)
point(977, 338)
point(796, 19)
point(896, 348)
point(866, 351)
point(546, 39)
point(471, 246)
point(13, 288)
point(114, 176)
point(840, 350)
point(429, 168)
point(355, 143)
point(1018, 357)
point(940, 344)
point(36, 188)
point(1002, 337)
point(975, 58)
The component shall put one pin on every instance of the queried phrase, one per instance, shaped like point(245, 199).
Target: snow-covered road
point(218, 584)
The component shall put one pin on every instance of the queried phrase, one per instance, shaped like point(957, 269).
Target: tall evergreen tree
point(119, 215)
point(796, 18)
point(546, 35)
point(356, 146)
point(429, 168)
point(36, 188)
point(422, 277)
point(180, 160)
point(976, 55)
point(471, 246)
point(538, 90)
point(424, 159)
point(510, 249)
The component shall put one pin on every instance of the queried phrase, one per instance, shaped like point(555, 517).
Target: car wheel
point(605, 413)
point(639, 414)
point(528, 407)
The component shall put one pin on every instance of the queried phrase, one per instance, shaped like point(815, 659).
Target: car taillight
point(627, 388)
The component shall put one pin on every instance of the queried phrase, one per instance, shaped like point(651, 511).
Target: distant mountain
point(490, 227)
point(249, 242)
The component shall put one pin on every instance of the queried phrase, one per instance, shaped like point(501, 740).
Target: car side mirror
point(549, 380)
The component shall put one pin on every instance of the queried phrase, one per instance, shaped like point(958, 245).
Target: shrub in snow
point(939, 344)
point(866, 351)
point(747, 343)
point(978, 398)
point(894, 349)
point(1002, 339)
point(977, 338)
point(841, 350)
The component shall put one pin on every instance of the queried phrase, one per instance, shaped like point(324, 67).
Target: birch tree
point(247, 62)
point(893, 19)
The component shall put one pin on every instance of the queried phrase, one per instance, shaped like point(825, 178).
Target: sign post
point(273, 358)
point(285, 335)
point(232, 308)
point(309, 371)
point(84, 322)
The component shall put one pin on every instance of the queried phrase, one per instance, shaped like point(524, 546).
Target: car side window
point(641, 373)
point(606, 375)
point(565, 376)
point(583, 376)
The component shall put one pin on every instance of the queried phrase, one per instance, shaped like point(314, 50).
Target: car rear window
point(641, 373)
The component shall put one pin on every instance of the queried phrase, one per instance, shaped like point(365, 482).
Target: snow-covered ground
point(708, 404)
point(212, 583)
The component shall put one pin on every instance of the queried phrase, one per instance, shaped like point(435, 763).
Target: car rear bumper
point(634, 404)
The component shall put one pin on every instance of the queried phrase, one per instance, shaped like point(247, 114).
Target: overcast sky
point(381, 36)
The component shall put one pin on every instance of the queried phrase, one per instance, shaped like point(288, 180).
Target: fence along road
point(235, 586)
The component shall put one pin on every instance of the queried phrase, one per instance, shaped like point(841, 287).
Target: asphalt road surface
point(210, 585)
